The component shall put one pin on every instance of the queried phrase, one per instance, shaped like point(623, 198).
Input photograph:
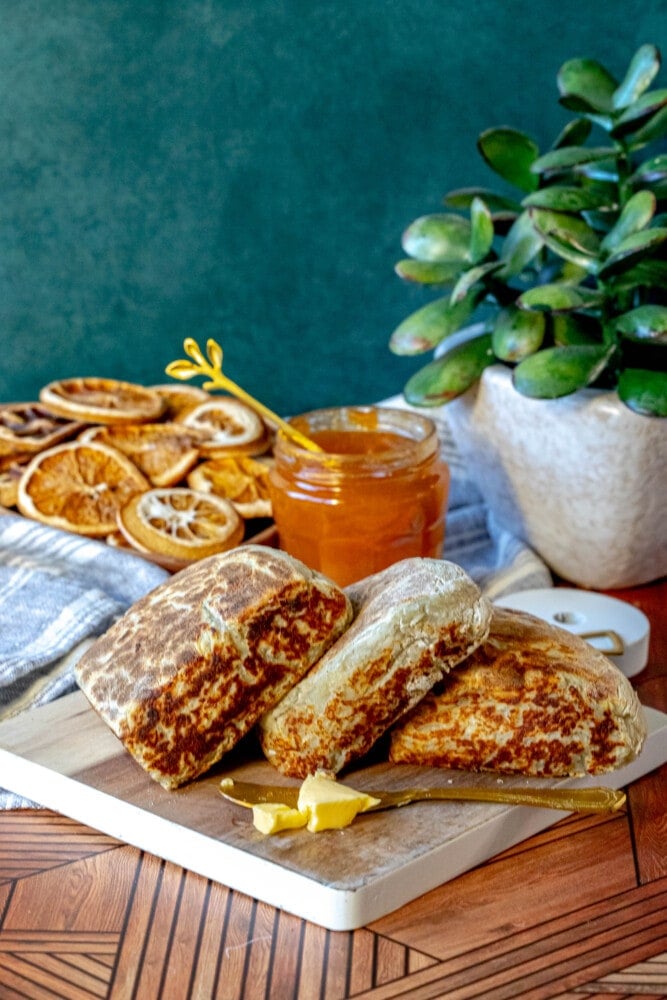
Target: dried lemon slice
point(79, 487)
point(26, 428)
point(165, 453)
point(243, 480)
point(180, 523)
point(229, 427)
point(102, 400)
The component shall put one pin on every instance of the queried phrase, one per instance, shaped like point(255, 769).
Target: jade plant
point(562, 274)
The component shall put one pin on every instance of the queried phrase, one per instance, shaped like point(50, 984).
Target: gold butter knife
point(595, 799)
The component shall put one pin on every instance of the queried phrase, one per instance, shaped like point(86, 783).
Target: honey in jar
point(375, 493)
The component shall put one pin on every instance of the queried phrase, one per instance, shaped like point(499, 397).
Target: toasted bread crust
point(413, 622)
point(188, 670)
point(533, 699)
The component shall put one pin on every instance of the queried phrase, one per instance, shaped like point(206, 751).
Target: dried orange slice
point(79, 487)
point(181, 399)
point(102, 401)
point(229, 427)
point(180, 523)
point(9, 483)
point(243, 480)
point(26, 428)
point(165, 453)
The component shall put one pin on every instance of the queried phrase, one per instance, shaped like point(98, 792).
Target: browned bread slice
point(413, 622)
point(189, 668)
point(533, 699)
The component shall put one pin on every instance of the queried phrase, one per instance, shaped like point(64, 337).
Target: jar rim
point(418, 431)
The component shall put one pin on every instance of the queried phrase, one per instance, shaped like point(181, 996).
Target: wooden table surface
point(578, 911)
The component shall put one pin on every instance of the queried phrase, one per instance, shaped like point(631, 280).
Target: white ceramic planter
point(582, 479)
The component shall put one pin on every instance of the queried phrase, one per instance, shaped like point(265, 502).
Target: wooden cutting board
point(65, 758)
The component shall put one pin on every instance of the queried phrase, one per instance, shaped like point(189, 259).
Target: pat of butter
point(329, 805)
point(272, 817)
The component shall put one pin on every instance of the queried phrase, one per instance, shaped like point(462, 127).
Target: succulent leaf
point(428, 272)
point(571, 158)
point(481, 236)
point(427, 327)
point(472, 277)
point(522, 244)
point(651, 171)
point(644, 391)
point(440, 237)
point(645, 323)
point(654, 129)
point(640, 113)
point(511, 154)
point(566, 198)
point(568, 236)
point(574, 133)
point(586, 85)
point(462, 198)
point(636, 215)
point(517, 334)
point(559, 298)
point(559, 371)
point(573, 328)
point(450, 375)
point(644, 67)
point(631, 250)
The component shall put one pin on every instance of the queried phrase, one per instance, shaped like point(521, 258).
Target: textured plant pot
point(582, 479)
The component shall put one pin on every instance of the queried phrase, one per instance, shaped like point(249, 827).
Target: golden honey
point(376, 492)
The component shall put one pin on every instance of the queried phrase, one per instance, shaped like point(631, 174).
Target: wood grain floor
point(568, 913)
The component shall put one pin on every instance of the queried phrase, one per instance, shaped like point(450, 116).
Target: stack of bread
point(168, 470)
point(253, 639)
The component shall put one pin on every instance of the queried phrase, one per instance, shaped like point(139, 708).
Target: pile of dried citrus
point(171, 471)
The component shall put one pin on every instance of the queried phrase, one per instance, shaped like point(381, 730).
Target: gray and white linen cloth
point(59, 591)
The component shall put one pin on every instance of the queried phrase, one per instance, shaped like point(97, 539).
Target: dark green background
point(243, 169)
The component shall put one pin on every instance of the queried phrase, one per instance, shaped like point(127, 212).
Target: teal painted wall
point(243, 169)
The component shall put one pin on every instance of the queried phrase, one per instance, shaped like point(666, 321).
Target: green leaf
point(565, 198)
point(559, 298)
point(521, 245)
point(585, 85)
point(651, 171)
point(654, 129)
point(648, 273)
point(462, 198)
point(640, 113)
point(440, 237)
point(644, 391)
point(427, 327)
point(559, 371)
point(574, 133)
point(481, 236)
point(636, 215)
point(644, 67)
point(510, 153)
point(570, 328)
point(631, 250)
point(571, 157)
point(568, 236)
point(472, 277)
point(428, 272)
point(517, 334)
point(645, 323)
point(451, 375)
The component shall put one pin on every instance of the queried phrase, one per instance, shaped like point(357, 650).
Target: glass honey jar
point(375, 493)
